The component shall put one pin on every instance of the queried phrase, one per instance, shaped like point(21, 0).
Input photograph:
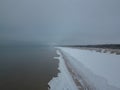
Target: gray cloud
point(60, 21)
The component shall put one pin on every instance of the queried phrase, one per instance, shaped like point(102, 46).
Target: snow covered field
point(100, 71)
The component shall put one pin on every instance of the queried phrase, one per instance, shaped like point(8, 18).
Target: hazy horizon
point(60, 22)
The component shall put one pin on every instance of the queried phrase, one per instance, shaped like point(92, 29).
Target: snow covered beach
point(64, 80)
point(86, 70)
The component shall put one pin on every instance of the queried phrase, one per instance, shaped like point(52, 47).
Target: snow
point(64, 80)
point(100, 70)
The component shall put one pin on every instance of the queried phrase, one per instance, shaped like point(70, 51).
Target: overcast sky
point(60, 21)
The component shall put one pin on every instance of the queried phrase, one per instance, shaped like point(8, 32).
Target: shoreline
point(79, 82)
point(64, 80)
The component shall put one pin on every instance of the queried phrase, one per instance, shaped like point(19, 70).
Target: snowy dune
point(100, 70)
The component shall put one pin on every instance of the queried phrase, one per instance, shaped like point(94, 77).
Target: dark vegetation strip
point(109, 46)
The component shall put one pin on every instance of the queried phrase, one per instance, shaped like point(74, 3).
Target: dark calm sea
point(27, 68)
